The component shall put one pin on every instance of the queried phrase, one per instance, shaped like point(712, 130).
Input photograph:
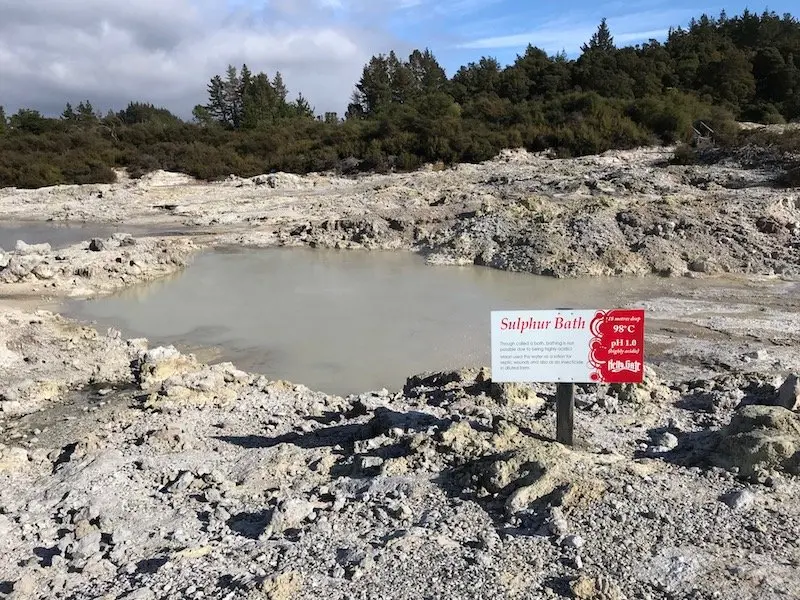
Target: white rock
point(23, 248)
point(667, 440)
point(739, 500)
point(573, 541)
point(789, 393)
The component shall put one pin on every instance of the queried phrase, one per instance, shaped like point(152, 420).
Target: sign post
point(568, 347)
point(565, 413)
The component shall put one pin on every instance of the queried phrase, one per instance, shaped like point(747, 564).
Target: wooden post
point(565, 413)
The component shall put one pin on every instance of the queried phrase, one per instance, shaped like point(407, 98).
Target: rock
point(12, 458)
point(87, 546)
point(516, 394)
point(760, 354)
point(124, 239)
point(369, 463)
point(652, 389)
point(97, 245)
point(43, 271)
point(182, 482)
point(556, 522)
point(20, 267)
point(12, 408)
point(290, 513)
point(595, 588)
point(789, 393)
point(739, 500)
point(666, 440)
point(283, 587)
point(701, 265)
point(6, 526)
point(83, 527)
point(760, 437)
point(25, 587)
point(581, 493)
point(161, 363)
point(24, 249)
point(573, 541)
point(4, 258)
point(144, 593)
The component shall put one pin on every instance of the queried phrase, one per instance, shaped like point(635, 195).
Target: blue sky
point(165, 51)
point(459, 31)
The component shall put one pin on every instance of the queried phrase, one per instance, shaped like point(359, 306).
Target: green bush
point(406, 113)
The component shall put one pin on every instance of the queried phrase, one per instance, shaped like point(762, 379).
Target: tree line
point(406, 111)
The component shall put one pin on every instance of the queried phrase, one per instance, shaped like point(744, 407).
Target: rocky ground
point(135, 472)
point(614, 214)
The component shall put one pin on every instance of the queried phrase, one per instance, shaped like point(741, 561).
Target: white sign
point(541, 345)
point(569, 346)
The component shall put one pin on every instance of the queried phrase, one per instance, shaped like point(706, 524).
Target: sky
point(165, 51)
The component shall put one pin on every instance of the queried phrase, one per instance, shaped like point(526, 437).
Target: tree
point(601, 40)
point(374, 88)
point(427, 73)
point(773, 82)
point(355, 110)
point(597, 68)
point(86, 112)
point(218, 107)
point(474, 79)
point(143, 112)
point(302, 108)
point(401, 80)
point(231, 91)
point(29, 121)
point(202, 116)
point(260, 105)
point(245, 78)
point(2, 120)
point(69, 113)
point(280, 88)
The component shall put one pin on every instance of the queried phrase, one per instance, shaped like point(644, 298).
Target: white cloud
point(571, 31)
point(165, 51)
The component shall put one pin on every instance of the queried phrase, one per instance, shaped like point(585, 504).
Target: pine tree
point(302, 108)
point(231, 92)
point(86, 112)
point(217, 106)
point(260, 105)
point(202, 116)
point(2, 120)
point(280, 88)
point(355, 110)
point(245, 79)
point(601, 39)
point(69, 113)
point(374, 87)
point(428, 74)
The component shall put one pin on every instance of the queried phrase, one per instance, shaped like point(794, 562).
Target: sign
point(568, 346)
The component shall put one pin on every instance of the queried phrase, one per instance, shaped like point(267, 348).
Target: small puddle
point(339, 321)
point(61, 235)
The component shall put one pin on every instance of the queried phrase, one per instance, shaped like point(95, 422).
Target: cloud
point(570, 31)
point(165, 51)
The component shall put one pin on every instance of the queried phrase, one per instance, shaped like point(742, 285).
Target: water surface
point(338, 321)
point(61, 235)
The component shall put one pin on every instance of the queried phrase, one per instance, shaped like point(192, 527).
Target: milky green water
point(339, 321)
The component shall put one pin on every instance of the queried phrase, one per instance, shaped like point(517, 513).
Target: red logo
point(616, 351)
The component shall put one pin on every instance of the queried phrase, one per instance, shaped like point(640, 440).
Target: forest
point(405, 112)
